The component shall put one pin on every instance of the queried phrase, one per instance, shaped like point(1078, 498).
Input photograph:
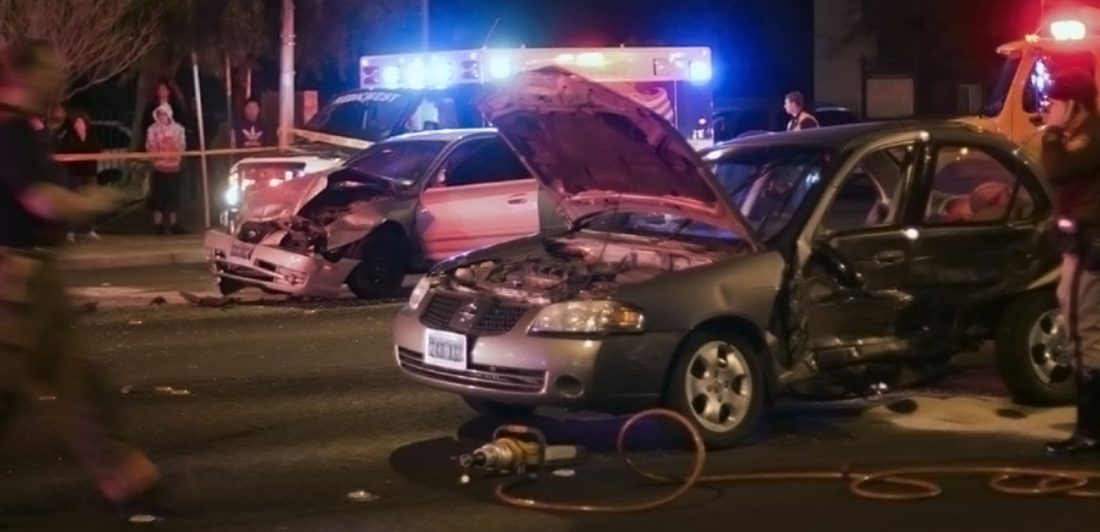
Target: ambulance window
point(1045, 69)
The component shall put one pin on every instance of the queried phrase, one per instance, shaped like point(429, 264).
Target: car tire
point(721, 373)
point(1028, 334)
point(498, 410)
point(384, 261)
point(228, 287)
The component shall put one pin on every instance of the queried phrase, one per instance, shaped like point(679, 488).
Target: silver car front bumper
point(611, 373)
point(275, 269)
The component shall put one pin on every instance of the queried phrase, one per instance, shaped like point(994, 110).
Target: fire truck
point(1069, 38)
point(404, 93)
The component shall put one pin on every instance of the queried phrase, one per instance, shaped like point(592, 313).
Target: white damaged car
point(396, 208)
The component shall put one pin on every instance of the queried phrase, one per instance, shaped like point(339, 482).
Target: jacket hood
point(595, 149)
point(165, 108)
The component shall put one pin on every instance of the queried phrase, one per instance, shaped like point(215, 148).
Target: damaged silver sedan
point(825, 263)
point(396, 208)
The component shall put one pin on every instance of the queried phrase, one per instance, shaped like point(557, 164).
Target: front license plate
point(241, 251)
point(445, 349)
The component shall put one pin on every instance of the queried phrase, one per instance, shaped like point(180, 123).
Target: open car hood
point(594, 149)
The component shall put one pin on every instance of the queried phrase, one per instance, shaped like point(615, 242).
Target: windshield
point(364, 115)
point(995, 102)
point(770, 184)
point(404, 161)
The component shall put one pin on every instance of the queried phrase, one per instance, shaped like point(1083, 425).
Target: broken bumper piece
point(275, 269)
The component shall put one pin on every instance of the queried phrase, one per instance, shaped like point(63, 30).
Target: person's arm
point(26, 176)
point(1065, 160)
point(149, 144)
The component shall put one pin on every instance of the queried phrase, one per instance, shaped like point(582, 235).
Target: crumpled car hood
point(595, 149)
point(287, 199)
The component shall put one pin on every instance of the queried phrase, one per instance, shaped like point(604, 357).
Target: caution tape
point(335, 140)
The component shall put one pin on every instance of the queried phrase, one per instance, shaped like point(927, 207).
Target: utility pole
point(425, 41)
point(286, 77)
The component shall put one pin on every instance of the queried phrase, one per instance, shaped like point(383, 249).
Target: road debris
point(135, 322)
point(209, 301)
point(362, 496)
point(564, 473)
point(47, 397)
point(158, 301)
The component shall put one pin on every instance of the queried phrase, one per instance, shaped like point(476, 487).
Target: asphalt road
point(291, 407)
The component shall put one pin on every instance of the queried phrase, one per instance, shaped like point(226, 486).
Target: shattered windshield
point(770, 184)
point(403, 161)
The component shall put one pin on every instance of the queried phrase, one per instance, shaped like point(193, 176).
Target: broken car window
point(404, 161)
point(770, 185)
point(870, 196)
point(970, 186)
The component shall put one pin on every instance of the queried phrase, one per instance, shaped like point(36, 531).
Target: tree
point(99, 39)
point(333, 33)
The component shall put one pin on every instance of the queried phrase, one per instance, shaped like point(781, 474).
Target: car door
point(856, 228)
point(979, 227)
point(481, 195)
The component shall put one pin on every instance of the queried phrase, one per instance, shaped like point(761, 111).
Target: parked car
point(738, 123)
point(395, 208)
point(821, 262)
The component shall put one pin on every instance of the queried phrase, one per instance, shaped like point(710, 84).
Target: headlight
point(579, 317)
point(419, 292)
point(232, 196)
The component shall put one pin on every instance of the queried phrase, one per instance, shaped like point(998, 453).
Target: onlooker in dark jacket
point(250, 131)
point(78, 140)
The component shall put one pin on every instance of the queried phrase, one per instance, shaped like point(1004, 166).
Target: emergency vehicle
point(1069, 38)
point(404, 93)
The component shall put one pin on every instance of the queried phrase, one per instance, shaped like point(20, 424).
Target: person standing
point(1071, 159)
point(166, 138)
point(250, 131)
point(38, 349)
point(79, 141)
point(795, 106)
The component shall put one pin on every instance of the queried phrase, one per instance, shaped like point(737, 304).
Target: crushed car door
point(846, 300)
point(979, 227)
point(481, 195)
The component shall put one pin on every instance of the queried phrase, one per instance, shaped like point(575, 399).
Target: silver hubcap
point(1047, 345)
point(719, 386)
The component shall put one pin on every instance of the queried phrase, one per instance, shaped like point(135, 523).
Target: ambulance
point(1068, 39)
point(405, 93)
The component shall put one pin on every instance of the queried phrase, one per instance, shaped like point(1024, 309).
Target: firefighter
point(1071, 158)
point(37, 345)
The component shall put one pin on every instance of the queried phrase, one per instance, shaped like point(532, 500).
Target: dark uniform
point(1071, 159)
point(38, 352)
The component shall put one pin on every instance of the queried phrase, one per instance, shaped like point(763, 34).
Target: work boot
point(1086, 436)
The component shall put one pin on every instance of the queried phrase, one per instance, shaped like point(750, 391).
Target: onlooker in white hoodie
point(165, 136)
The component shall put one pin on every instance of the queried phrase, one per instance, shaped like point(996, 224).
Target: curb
point(124, 260)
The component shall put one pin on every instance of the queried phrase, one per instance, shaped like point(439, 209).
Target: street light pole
point(286, 77)
point(425, 42)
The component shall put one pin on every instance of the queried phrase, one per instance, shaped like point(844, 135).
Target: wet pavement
point(282, 411)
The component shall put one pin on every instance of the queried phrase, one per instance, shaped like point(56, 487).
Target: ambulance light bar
point(1068, 30)
point(442, 69)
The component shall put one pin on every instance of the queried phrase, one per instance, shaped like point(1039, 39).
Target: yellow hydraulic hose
point(900, 484)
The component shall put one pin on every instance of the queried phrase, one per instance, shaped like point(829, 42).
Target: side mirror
point(837, 266)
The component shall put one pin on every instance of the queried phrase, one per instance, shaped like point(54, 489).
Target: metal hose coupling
point(893, 484)
point(516, 449)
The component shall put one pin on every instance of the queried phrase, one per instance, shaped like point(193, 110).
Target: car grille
point(470, 314)
point(484, 377)
point(254, 232)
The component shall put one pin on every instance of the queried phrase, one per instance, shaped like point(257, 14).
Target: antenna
point(485, 41)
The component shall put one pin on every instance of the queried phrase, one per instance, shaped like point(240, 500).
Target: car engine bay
point(579, 266)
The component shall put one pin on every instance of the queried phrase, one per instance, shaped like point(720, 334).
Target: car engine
point(578, 267)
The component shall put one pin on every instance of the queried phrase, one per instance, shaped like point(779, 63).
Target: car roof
point(838, 138)
point(445, 135)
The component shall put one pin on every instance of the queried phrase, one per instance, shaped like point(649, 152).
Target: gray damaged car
point(824, 263)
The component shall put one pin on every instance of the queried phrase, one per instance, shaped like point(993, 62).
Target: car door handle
point(889, 257)
point(517, 201)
